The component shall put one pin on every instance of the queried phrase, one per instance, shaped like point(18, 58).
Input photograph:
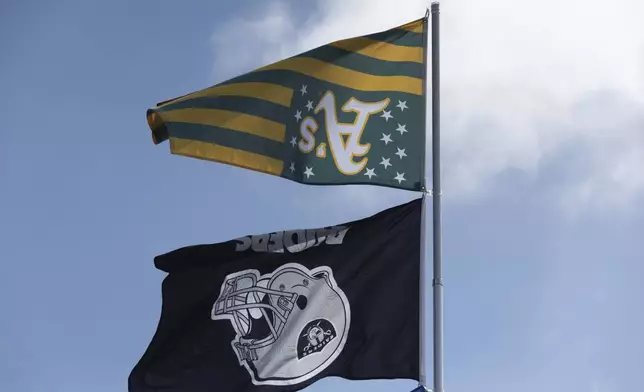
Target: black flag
point(278, 311)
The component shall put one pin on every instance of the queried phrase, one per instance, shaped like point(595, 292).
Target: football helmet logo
point(290, 324)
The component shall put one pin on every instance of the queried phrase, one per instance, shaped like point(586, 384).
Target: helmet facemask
point(259, 312)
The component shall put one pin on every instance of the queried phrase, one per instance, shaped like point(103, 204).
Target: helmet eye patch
point(301, 302)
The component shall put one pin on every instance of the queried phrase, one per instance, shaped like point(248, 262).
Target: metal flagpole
point(437, 282)
point(422, 376)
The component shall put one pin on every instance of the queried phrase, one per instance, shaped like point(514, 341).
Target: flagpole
point(422, 363)
point(422, 377)
point(437, 282)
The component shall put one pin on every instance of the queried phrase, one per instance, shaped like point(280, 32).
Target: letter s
point(308, 127)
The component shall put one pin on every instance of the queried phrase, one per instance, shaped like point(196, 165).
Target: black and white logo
point(291, 324)
point(315, 336)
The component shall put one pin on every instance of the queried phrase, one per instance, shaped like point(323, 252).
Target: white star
point(303, 89)
point(402, 105)
point(298, 115)
point(401, 153)
point(292, 167)
point(386, 138)
point(309, 105)
point(293, 141)
point(386, 114)
point(385, 162)
point(370, 173)
point(400, 177)
point(402, 129)
point(308, 172)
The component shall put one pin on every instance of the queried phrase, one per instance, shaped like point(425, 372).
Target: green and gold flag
point(350, 112)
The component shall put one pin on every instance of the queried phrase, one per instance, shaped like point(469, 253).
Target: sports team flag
point(350, 112)
point(278, 311)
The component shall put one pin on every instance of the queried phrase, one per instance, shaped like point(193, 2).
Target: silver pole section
point(422, 376)
point(437, 283)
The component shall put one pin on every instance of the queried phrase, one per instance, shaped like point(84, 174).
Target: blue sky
point(543, 127)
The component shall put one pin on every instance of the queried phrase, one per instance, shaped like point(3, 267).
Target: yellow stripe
point(348, 78)
point(221, 154)
point(226, 119)
point(154, 120)
point(266, 91)
point(381, 50)
point(415, 26)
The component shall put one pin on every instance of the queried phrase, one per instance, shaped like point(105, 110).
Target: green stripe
point(228, 138)
point(365, 64)
point(254, 106)
point(283, 78)
point(398, 37)
point(294, 80)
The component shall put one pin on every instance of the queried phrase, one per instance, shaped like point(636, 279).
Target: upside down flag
point(349, 112)
point(279, 311)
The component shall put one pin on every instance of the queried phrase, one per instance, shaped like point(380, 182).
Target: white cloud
point(514, 73)
point(243, 44)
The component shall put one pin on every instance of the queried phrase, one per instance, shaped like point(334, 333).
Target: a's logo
point(343, 138)
point(290, 324)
